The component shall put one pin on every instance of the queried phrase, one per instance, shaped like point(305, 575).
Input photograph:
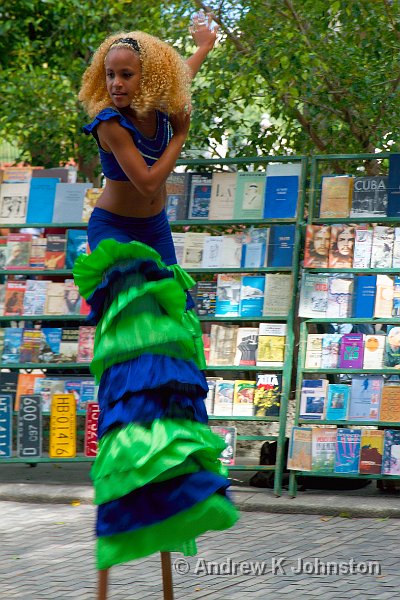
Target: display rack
point(324, 165)
point(286, 370)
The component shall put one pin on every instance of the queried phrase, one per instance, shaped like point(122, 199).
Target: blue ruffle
point(144, 407)
point(156, 502)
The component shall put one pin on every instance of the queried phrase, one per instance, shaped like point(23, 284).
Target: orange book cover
point(14, 298)
point(390, 404)
point(317, 244)
point(25, 385)
point(336, 196)
point(341, 248)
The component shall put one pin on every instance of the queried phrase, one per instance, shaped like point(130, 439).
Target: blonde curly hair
point(164, 83)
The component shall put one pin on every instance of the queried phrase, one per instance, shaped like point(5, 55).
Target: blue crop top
point(150, 148)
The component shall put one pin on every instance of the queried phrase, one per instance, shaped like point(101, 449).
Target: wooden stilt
point(103, 584)
point(167, 576)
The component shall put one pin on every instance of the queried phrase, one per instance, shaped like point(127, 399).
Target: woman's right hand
point(180, 122)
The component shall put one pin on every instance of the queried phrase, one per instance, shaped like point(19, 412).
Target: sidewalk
point(70, 482)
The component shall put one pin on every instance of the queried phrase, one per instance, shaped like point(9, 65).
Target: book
point(391, 452)
point(341, 246)
point(223, 399)
point(316, 250)
point(390, 404)
point(313, 398)
point(178, 239)
point(267, 396)
point(300, 449)
point(13, 202)
point(209, 400)
point(55, 298)
point(374, 349)
point(396, 248)
point(30, 345)
point(75, 246)
point(37, 257)
point(231, 250)
point(55, 250)
point(281, 190)
point(365, 398)
point(229, 435)
point(336, 196)
point(6, 420)
point(249, 195)
point(251, 295)
point(15, 174)
point(271, 344)
point(347, 451)
point(246, 346)
point(3, 251)
point(313, 351)
point(72, 299)
point(87, 394)
point(46, 387)
point(8, 384)
point(351, 351)
point(382, 247)
point(64, 174)
point(193, 249)
point(337, 401)
point(228, 295)
point(277, 294)
point(396, 296)
point(362, 248)
point(313, 295)
point(212, 252)
point(223, 344)
point(177, 196)
point(85, 343)
point(35, 297)
point(222, 200)
point(364, 296)
point(18, 251)
point(68, 202)
point(393, 186)
point(323, 442)
point(50, 347)
point(89, 202)
point(280, 246)
point(391, 357)
point(340, 295)
point(243, 398)
point(206, 297)
point(41, 197)
point(369, 196)
point(371, 452)
point(384, 296)
point(254, 247)
point(69, 345)
point(199, 195)
point(26, 385)
point(14, 298)
point(330, 350)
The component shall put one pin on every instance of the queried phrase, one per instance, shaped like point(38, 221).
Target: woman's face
point(345, 242)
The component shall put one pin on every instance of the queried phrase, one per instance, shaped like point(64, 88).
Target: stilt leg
point(103, 583)
point(166, 576)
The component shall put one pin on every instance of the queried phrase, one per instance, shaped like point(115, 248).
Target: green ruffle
point(133, 456)
point(214, 513)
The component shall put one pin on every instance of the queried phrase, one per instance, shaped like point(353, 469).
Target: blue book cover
point(252, 295)
point(87, 394)
point(365, 398)
point(6, 419)
point(280, 246)
point(227, 302)
point(313, 398)
point(347, 451)
point(50, 351)
point(42, 192)
point(337, 402)
point(391, 452)
point(200, 195)
point(76, 245)
point(364, 296)
point(12, 344)
point(393, 203)
point(281, 193)
point(396, 297)
point(254, 247)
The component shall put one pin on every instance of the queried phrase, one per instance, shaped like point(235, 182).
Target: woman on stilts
point(158, 480)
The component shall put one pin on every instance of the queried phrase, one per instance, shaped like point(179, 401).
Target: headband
point(127, 41)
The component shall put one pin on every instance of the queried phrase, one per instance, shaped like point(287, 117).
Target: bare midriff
point(122, 198)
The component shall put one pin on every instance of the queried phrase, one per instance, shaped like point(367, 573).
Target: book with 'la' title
point(222, 200)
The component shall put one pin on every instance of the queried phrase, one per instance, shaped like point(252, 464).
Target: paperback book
point(347, 451)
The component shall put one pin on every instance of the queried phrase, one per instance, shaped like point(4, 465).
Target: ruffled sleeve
point(106, 115)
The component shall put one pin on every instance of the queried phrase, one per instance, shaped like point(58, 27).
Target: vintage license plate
point(63, 426)
point(30, 426)
point(6, 412)
point(92, 417)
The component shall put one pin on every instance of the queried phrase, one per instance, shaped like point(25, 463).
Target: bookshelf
point(228, 371)
point(348, 164)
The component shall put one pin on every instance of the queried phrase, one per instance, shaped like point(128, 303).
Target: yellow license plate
point(63, 426)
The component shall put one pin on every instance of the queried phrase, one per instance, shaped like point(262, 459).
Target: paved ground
point(46, 552)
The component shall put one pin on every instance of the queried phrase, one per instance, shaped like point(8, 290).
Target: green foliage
point(286, 77)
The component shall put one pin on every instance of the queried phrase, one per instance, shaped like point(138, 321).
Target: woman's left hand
point(204, 35)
